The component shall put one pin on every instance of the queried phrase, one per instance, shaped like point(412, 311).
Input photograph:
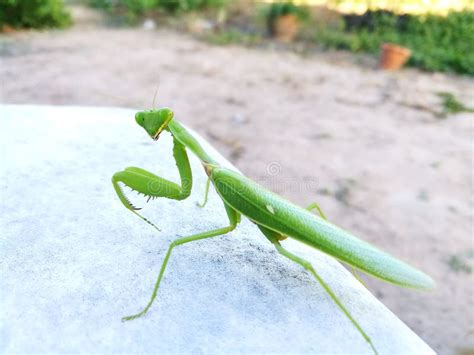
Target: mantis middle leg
point(234, 219)
point(206, 194)
point(275, 240)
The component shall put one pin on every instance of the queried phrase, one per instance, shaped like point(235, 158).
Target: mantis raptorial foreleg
point(153, 186)
point(234, 219)
point(275, 238)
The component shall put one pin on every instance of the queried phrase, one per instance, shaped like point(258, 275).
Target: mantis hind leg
point(234, 219)
point(275, 239)
point(313, 206)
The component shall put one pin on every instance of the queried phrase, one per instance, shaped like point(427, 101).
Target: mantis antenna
point(156, 93)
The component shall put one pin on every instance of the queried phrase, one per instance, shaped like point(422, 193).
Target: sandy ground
point(364, 144)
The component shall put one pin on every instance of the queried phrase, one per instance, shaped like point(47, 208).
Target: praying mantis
point(276, 217)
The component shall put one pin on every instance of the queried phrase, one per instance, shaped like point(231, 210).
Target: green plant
point(33, 14)
point(190, 5)
point(137, 8)
point(278, 9)
point(132, 8)
point(437, 43)
point(462, 262)
point(232, 36)
point(451, 105)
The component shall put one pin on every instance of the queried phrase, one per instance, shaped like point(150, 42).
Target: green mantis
point(276, 217)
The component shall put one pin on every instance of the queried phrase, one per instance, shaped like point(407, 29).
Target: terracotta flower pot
point(393, 57)
point(285, 27)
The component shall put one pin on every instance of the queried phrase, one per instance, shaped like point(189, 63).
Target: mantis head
point(154, 121)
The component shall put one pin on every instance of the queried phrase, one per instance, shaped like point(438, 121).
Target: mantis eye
point(139, 118)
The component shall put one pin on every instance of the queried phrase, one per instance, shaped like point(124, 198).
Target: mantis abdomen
point(274, 212)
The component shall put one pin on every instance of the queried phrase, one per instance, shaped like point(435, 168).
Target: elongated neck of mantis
point(186, 139)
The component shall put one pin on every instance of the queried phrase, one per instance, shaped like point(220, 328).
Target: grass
point(134, 11)
point(451, 105)
point(233, 36)
point(462, 262)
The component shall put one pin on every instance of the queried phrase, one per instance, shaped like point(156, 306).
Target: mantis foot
point(135, 316)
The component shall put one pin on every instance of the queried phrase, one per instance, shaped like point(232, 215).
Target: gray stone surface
point(74, 261)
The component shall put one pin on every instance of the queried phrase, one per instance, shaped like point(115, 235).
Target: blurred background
point(365, 107)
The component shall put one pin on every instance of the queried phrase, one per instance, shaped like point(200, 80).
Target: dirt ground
point(366, 145)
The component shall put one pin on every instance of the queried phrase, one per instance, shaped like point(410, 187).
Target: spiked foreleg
point(153, 186)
